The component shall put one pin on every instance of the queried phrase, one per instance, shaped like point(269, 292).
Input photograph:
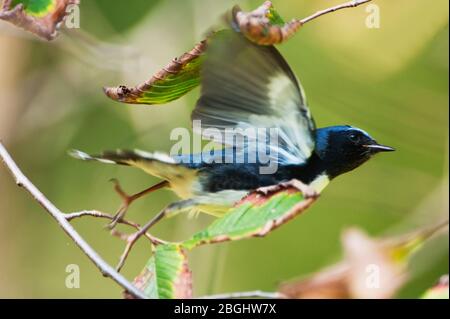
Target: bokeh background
point(391, 81)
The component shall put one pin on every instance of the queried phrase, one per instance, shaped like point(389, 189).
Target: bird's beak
point(375, 148)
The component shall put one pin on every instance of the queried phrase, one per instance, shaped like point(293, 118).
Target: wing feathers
point(245, 85)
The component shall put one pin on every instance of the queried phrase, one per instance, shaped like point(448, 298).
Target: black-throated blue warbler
point(245, 85)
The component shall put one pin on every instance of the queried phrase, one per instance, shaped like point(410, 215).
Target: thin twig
point(133, 238)
point(350, 4)
point(247, 294)
point(99, 214)
point(102, 265)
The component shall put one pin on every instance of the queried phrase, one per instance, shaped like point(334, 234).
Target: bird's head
point(344, 148)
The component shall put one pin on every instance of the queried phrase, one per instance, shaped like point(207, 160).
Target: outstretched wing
point(248, 86)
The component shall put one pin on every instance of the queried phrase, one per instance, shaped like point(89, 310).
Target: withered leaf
point(264, 25)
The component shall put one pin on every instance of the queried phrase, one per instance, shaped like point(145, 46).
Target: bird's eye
point(354, 138)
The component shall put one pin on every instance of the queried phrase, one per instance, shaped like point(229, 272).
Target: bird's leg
point(170, 210)
point(128, 199)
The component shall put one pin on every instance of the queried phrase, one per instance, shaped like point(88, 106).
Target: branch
point(264, 26)
point(247, 294)
point(61, 219)
point(98, 214)
point(350, 4)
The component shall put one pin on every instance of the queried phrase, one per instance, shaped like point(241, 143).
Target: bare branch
point(99, 214)
point(258, 27)
point(132, 239)
point(350, 4)
point(102, 265)
point(247, 294)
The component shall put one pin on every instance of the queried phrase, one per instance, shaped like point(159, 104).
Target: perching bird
point(245, 85)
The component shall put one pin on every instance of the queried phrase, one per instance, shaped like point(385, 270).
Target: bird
point(249, 86)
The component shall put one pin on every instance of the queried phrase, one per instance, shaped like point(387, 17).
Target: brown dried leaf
point(264, 25)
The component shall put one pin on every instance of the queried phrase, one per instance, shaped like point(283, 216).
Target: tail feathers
point(99, 158)
point(123, 157)
point(157, 164)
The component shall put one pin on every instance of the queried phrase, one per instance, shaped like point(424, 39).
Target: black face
point(344, 148)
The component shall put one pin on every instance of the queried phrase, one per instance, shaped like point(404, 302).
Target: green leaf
point(38, 8)
point(179, 77)
point(255, 215)
point(166, 274)
point(41, 17)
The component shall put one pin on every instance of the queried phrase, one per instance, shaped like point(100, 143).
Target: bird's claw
point(266, 190)
point(126, 201)
point(307, 191)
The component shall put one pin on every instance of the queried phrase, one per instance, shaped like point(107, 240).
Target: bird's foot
point(266, 190)
point(307, 191)
point(123, 208)
point(127, 200)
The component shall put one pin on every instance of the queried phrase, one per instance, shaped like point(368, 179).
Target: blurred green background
point(391, 81)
